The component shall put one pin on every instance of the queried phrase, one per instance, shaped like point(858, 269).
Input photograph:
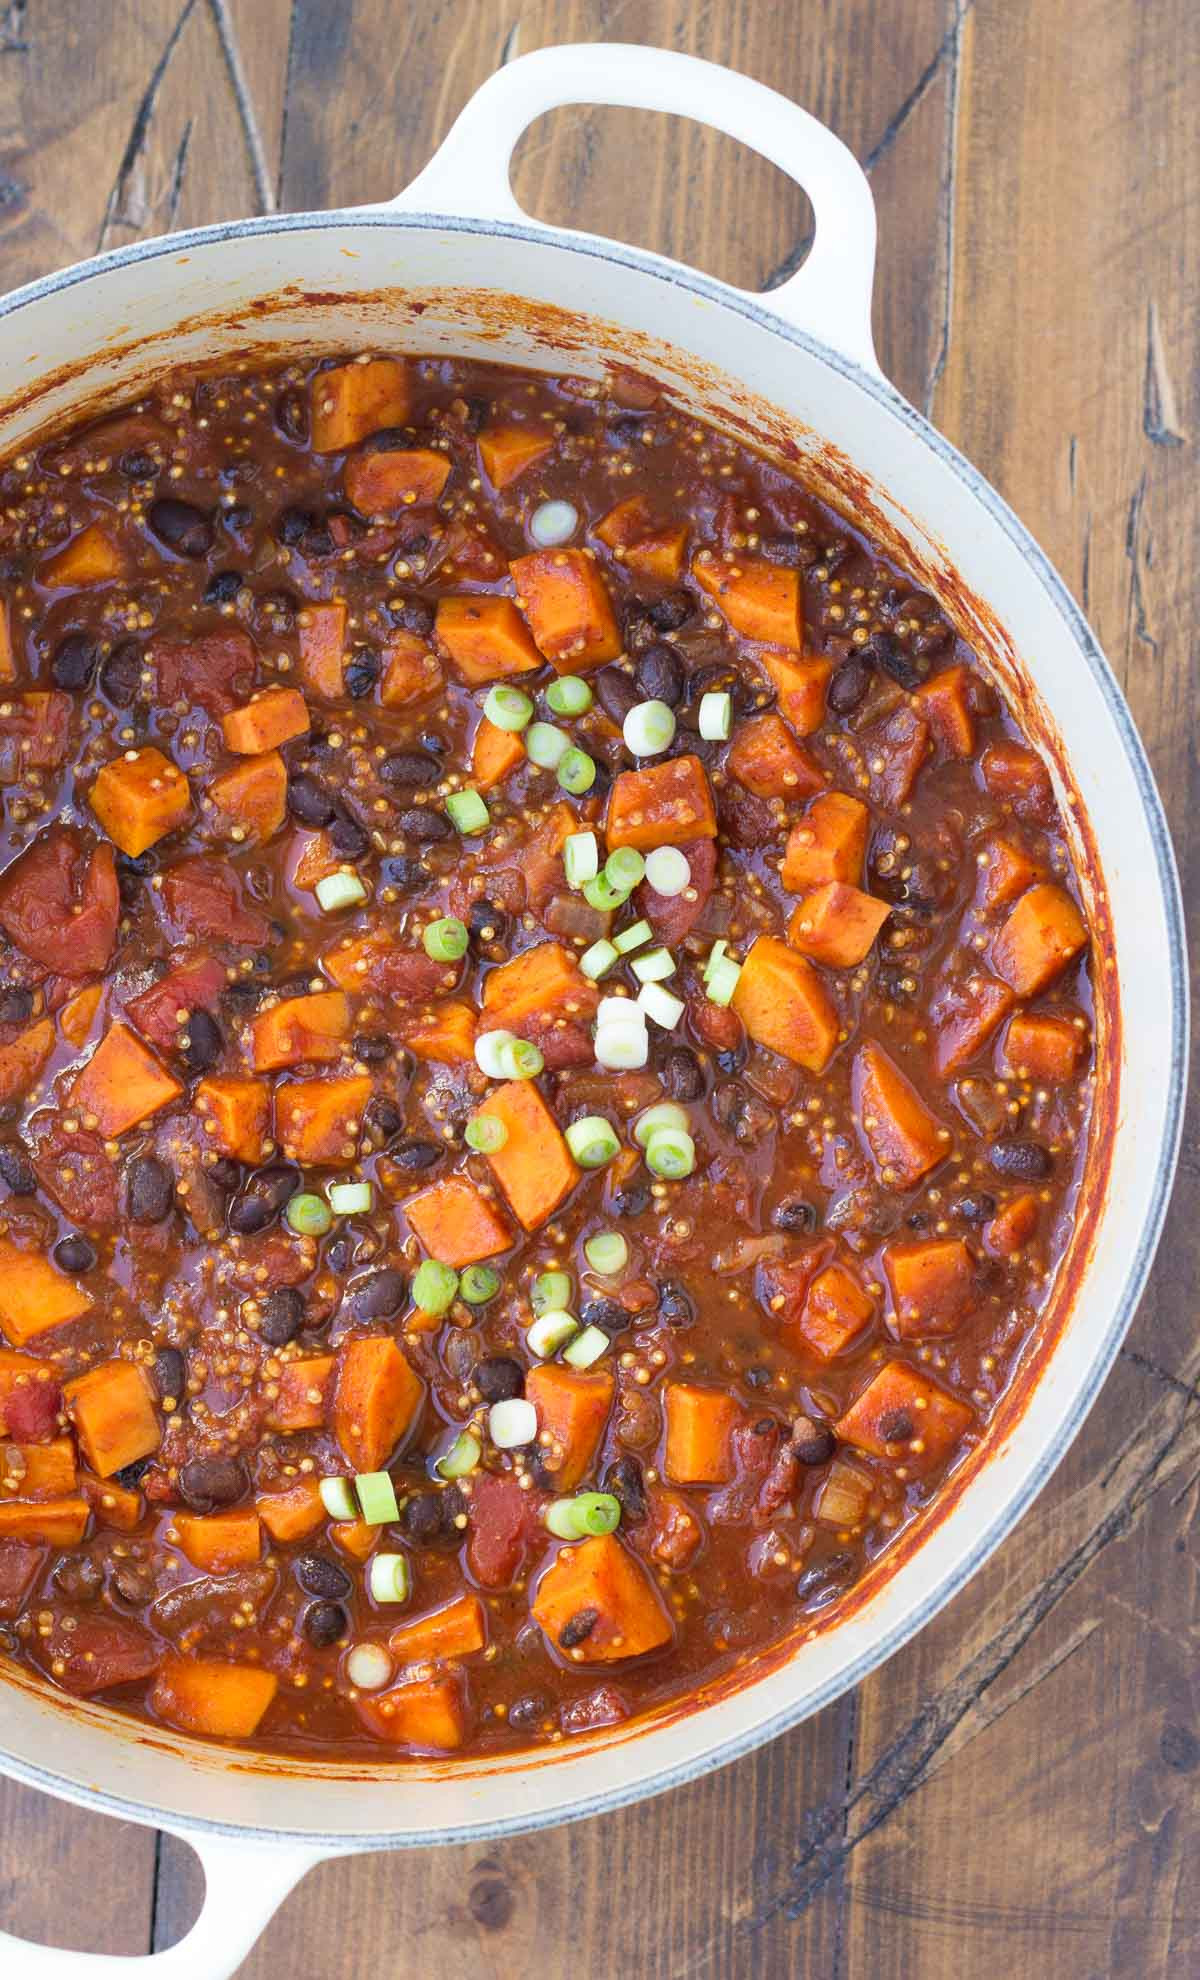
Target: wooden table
point(1019, 1789)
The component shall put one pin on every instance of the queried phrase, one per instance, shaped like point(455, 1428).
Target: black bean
point(209, 1482)
point(659, 674)
point(424, 825)
point(78, 1577)
point(383, 1117)
point(370, 1047)
point(242, 998)
point(274, 1185)
point(631, 1202)
point(883, 650)
point(578, 1628)
point(427, 1518)
point(498, 1377)
point(407, 769)
point(416, 1153)
point(528, 1711)
point(224, 587)
point(16, 1006)
point(131, 1475)
point(607, 1314)
point(624, 1480)
point(682, 1075)
point(318, 1575)
point(281, 1316)
point(170, 1374)
point(792, 551)
point(815, 1443)
point(818, 1586)
point(674, 1306)
point(149, 1190)
point(795, 1215)
point(1023, 1161)
point(896, 1426)
point(74, 1253)
point(407, 876)
point(733, 1060)
point(324, 1623)
point(347, 837)
point(181, 526)
point(757, 1378)
point(849, 686)
point(616, 693)
point(668, 613)
point(976, 1207)
point(487, 922)
point(237, 518)
point(74, 661)
point(137, 465)
point(16, 1171)
point(360, 674)
point(379, 1295)
point(130, 874)
point(204, 1042)
point(291, 416)
point(413, 615)
point(247, 1214)
point(294, 525)
point(225, 1173)
point(121, 674)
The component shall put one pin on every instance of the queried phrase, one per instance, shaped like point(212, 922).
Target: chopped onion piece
point(587, 1347)
point(592, 1141)
point(654, 967)
point(488, 1047)
point(663, 1006)
point(553, 522)
point(348, 1199)
point(339, 890)
point(649, 728)
point(512, 1423)
point(667, 871)
point(550, 1331)
point(599, 959)
point(716, 716)
point(668, 1113)
point(377, 1497)
point(368, 1667)
point(581, 858)
point(388, 1578)
point(337, 1497)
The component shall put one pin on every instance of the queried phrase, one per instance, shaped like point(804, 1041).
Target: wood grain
point(1019, 1789)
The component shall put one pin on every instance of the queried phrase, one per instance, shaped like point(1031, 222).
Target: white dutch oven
point(454, 265)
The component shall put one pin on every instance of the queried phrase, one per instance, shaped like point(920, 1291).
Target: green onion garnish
point(339, 890)
point(721, 975)
point(462, 1456)
point(337, 1497)
point(308, 1215)
point(716, 716)
point(624, 868)
point(581, 858)
point(467, 810)
point(653, 966)
point(545, 745)
point(671, 1154)
point(434, 1286)
point(445, 939)
point(594, 962)
point(478, 1284)
point(347, 1199)
point(520, 1059)
point(549, 1290)
point(602, 895)
point(512, 1423)
point(508, 708)
point(587, 1347)
point(569, 696)
point(377, 1497)
point(663, 1006)
point(592, 1141)
point(649, 728)
point(576, 772)
point(488, 1049)
point(485, 1133)
point(587, 1513)
point(551, 1331)
point(388, 1577)
point(668, 1113)
point(607, 1252)
point(667, 871)
point(633, 937)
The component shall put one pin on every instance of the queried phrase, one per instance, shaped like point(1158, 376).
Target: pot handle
point(244, 1886)
point(830, 296)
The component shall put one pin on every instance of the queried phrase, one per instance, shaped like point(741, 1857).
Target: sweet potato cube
point(35, 1295)
point(322, 637)
point(829, 843)
point(216, 1543)
point(446, 1034)
point(1046, 1048)
point(236, 1115)
point(1015, 775)
point(354, 1537)
point(572, 1408)
point(39, 1471)
point(319, 1120)
point(305, 1390)
point(1044, 932)
point(293, 1513)
point(895, 749)
point(801, 687)
point(565, 599)
point(206, 1695)
point(112, 1408)
point(965, 1013)
point(78, 1013)
point(600, 1585)
point(1010, 1230)
point(410, 671)
point(301, 1030)
point(544, 981)
point(784, 1005)
point(251, 799)
point(486, 638)
point(766, 759)
point(835, 1311)
point(52, 1522)
point(902, 1414)
point(122, 1084)
point(495, 754)
point(23, 1059)
point(113, 1504)
point(672, 1534)
point(1005, 871)
point(933, 1285)
point(140, 797)
point(377, 1402)
point(662, 805)
point(456, 1223)
point(429, 1715)
point(275, 715)
point(837, 924)
point(317, 856)
point(385, 482)
point(506, 450)
point(629, 529)
point(945, 705)
point(457, 1629)
point(350, 401)
point(904, 1140)
point(760, 600)
point(94, 556)
point(535, 1168)
point(700, 1427)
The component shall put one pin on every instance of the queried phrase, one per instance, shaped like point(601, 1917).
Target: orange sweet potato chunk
point(801, 687)
point(901, 1414)
point(388, 481)
point(216, 1543)
point(293, 1513)
point(77, 1014)
point(430, 1715)
point(446, 1034)
point(40, 1471)
point(835, 1311)
point(662, 805)
point(965, 1014)
point(784, 1005)
point(1043, 934)
point(322, 637)
point(236, 1115)
point(53, 1522)
point(651, 551)
point(565, 599)
point(700, 1427)
point(251, 799)
point(319, 1120)
point(35, 1295)
point(765, 758)
point(112, 1408)
point(1040, 1046)
point(837, 924)
point(354, 1537)
point(1012, 1226)
point(761, 600)
point(410, 671)
point(1004, 872)
point(829, 843)
point(208, 1696)
point(543, 981)
point(350, 401)
point(572, 1408)
point(122, 1084)
point(23, 1059)
point(600, 1575)
point(301, 1030)
point(933, 1285)
point(506, 450)
point(112, 1504)
point(486, 638)
point(456, 1222)
point(904, 1140)
point(140, 797)
point(945, 705)
point(273, 716)
point(304, 1393)
point(377, 1402)
point(457, 1629)
point(495, 754)
point(535, 1168)
point(94, 556)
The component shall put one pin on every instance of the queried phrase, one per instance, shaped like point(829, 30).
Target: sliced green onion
point(369, 1667)
point(671, 1154)
point(337, 1497)
point(653, 967)
point(607, 1252)
point(445, 939)
point(553, 522)
point(587, 1513)
point(649, 728)
point(485, 1133)
point(489, 1047)
point(550, 1332)
point(569, 696)
point(550, 1290)
point(587, 1347)
point(601, 894)
point(716, 716)
point(508, 708)
point(635, 936)
point(521, 1059)
point(388, 1577)
point(592, 1141)
point(719, 948)
point(721, 975)
point(622, 1047)
point(581, 858)
point(339, 890)
point(308, 1215)
point(347, 1199)
point(462, 1456)
point(576, 772)
point(467, 810)
point(667, 871)
point(434, 1286)
point(545, 745)
point(668, 1113)
point(512, 1423)
point(663, 1006)
point(377, 1497)
point(596, 961)
point(478, 1284)
point(624, 868)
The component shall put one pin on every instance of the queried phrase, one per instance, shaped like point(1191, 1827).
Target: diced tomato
point(214, 672)
point(19, 1563)
point(102, 1651)
point(35, 732)
point(604, 1706)
point(503, 1519)
point(73, 1168)
point(672, 916)
point(204, 898)
point(60, 904)
point(188, 987)
point(31, 1411)
point(715, 1025)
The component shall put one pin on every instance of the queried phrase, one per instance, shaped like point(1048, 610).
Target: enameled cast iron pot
point(454, 265)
